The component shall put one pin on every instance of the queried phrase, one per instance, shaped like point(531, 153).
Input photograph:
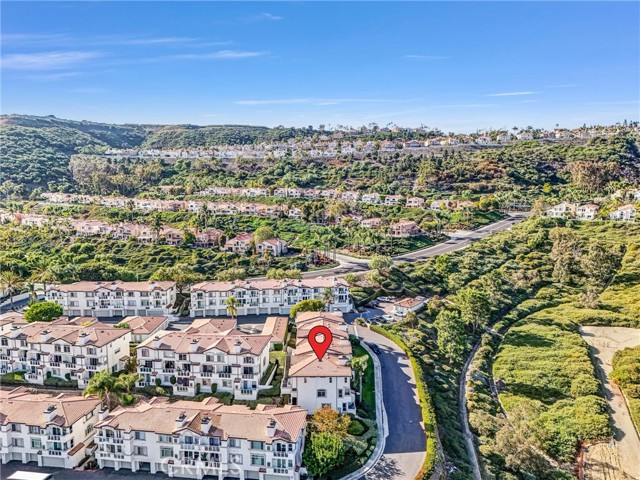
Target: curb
point(381, 419)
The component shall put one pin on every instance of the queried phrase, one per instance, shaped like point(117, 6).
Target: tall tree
point(11, 283)
point(451, 335)
point(232, 306)
point(474, 306)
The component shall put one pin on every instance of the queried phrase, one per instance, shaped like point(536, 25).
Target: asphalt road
point(355, 265)
point(405, 445)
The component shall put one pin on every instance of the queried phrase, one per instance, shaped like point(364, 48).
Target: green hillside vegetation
point(34, 146)
point(626, 373)
point(541, 274)
point(549, 379)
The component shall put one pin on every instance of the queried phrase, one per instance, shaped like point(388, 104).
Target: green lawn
point(368, 397)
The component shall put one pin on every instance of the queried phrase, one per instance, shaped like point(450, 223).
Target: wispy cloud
point(426, 57)
point(510, 94)
point(150, 41)
point(220, 55)
point(47, 60)
point(48, 77)
point(308, 101)
point(263, 17)
point(34, 38)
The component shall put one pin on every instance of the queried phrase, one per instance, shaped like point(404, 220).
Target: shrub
point(172, 380)
point(278, 347)
point(158, 382)
point(356, 428)
point(214, 387)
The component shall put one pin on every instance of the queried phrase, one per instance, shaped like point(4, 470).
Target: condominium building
point(267, 296)
point(193, 439)
point(314, 383)
point(587, 211)
point(562, 210)
point(68, 351)
point(193, 361)
point(144, 327)
point(114, 299)
point(51, 430)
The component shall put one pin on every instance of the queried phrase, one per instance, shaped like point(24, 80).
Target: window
point(322, 393)
point(257, 460)
point(257, 445)
point(144, 352)
point(140, 451)
point(36, 443)
point(234, 443)
point(139, 435)
point(164, 438)
point(166, 452)
point(17, 442)
point(16, 427)
point(66, 349)
point(34, 429)
point(91, 351)
point(5, 342)
point(235, 458)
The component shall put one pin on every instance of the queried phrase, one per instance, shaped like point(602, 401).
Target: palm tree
point(327, 297)
point(359, 365)
point(105, 387)
point(232, 307)
point(156, 225)
point(42, 274)
point(10, 282)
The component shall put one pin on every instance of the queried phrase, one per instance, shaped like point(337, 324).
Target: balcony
point(248, 375)
point(5, 357)
point(281, 470)
point(35, 362)
point(93, 367)
point(207, 374)
point(168, 370)
point(247, 391)
point(70, 365)
point(108, 439)
point(224, 375)
point(55, 453)
point(53, 437)
point(180, 388)
point(54, 364)
point(144, 369)
point(279, 453)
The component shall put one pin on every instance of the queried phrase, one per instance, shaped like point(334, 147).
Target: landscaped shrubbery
point(626, 373)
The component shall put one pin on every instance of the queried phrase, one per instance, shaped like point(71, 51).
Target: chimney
point(103, 414)
point(205, 425)
point(271, 429)
point(237, 347)
point(194, 345)
point(46, 336)
point(15, 331)
point(83, 338)
point(343, 360)
point(181, 420)
point(50, 413)
point(156, 342)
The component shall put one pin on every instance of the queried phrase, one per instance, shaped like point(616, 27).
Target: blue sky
point(457, 66)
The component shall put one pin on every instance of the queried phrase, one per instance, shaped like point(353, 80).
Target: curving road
point(457, 242)
point(405, 443)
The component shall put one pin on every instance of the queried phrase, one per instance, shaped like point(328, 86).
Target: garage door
point(53, 462)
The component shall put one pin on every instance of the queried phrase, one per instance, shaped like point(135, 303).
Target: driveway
point(604, 342)
point(405, 445)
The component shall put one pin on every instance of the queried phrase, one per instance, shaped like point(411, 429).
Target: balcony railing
point(54, 364)
point(279, 453)
point(168, 370)
point(224, 375)
point(108, 439)
point(281, 470)
point(57, 453)
point(180, 388)
point(93, 367)
point(247, 391)
point(53, 437)
point(145, 369)
point(207, 374)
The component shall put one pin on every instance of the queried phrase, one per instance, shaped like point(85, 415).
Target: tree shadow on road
point(386, 469)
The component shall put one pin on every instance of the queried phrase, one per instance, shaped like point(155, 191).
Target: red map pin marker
point(320, 347)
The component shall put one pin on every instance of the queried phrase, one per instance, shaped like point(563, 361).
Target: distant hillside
point(36, 150)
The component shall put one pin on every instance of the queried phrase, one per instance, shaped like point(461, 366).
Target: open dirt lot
point(620, 458)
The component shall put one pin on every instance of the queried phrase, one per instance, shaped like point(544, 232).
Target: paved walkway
point(604, 342)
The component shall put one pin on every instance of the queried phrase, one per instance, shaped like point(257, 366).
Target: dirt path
point(604, 342)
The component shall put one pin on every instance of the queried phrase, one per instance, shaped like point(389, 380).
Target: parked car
point(388, 318)
point(374, 348)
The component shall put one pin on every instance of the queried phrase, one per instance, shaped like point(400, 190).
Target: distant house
point(172, 236)
point(525, 135)
point(276, 246)
point(413, 144)
point(208, 238)
point(406, 228)
point(587, 212)
point(483, 140)
point(350, 196)
point(371, 198)
point(407, 304)
point(393, 199)
point(504, 137)
point(627, 213)
point(561, 210)
point(241, 243)
point(439, 205)
point(371, 223)
point(415, 202)
point(295, 212)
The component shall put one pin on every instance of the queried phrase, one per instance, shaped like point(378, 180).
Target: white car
point(388, 318)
